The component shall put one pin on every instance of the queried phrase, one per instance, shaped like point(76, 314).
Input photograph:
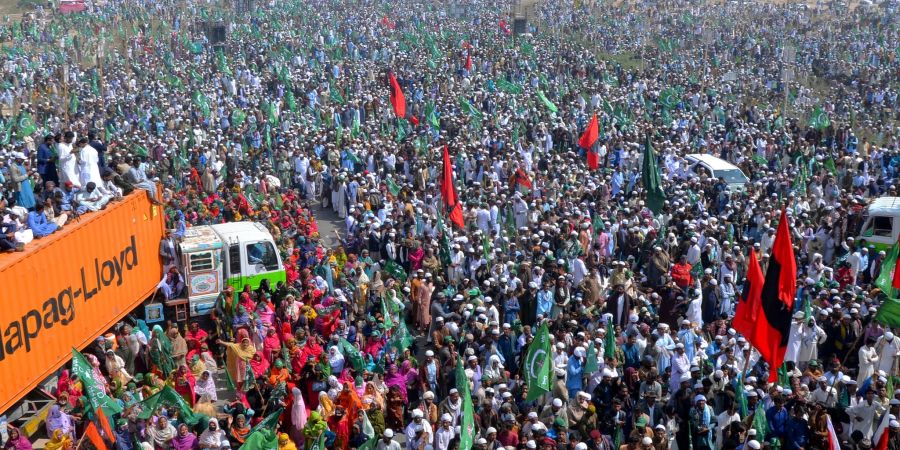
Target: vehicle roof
point(885, 205)
point(713, 162)
point(241, 231)
point(200, 238)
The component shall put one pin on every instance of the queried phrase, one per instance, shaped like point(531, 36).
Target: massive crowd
point(413, 327)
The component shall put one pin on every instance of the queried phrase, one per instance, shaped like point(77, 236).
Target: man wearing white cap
point(451, 405)
point(554, 411)
point(417, 424)
point(681, 367)
point(387, 441)
point(888, 346)
point(445, 433)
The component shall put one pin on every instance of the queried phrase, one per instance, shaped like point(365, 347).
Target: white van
point(881, 223)
point(709, 165)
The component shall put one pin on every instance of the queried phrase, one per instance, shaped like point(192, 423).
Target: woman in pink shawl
point(260, 365)
point(416, 255)
point(394, 378)
point(299, 414)
point(17, 440)
point(65, 385)
point(373, 346)
point(271, 344)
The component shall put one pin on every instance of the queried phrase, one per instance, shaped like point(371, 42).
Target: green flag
point(886, 277)
point(467, 421)
point(668, 98)
point(271, 421)
point(73, 103)
point(651, 179)
point(168, 397)
point(26, 125)
point(354, 127)
point(393, 269)
point(469, 109)
point(538, 364)
point(222, 62)
point(819, 119)
point(609, 345)
point(290, 100)
point(386, 312)
point(401, 339)
point(508, 87)
point(889, 312)
point(262, 439)
point(547, 102)
point(829, 165)
point(238, 117)
point(759, 424)
point(393, 188)
point(697, 270)
point(353, 355)
point(201, 103)
point(590, 363)
point(96, 397)
point(739, 395)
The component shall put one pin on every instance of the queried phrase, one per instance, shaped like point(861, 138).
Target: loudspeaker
point(216, 33)
point(520, 26)
point(243, 6)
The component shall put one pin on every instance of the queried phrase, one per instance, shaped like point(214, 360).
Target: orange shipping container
point(68, 288)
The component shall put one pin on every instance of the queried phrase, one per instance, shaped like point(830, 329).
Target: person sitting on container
point(39, 224)
point(90, 199)
point(8, 240)
point(136, 177)
point(108, 187)
point(67, 199)
point(172, 284)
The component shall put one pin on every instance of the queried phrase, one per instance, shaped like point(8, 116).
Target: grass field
point(13, 8)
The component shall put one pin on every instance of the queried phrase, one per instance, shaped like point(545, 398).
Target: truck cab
point(881, 223)
point(236, 254)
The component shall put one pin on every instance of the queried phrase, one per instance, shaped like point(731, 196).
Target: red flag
point(93, 435)
point(448, 192)
point(895, 281)
point(468, 61)
point(504, 27)
point(398, 100)
point(883, 440)
point(777, 300)
point(587, 141)
point(521, 178)
point(414, 120)
point(882, 432)
point(748, 309)
point(104, 425)
point(833, 442)
point(388, 23)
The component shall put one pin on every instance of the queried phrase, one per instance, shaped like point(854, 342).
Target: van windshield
point(731, 176)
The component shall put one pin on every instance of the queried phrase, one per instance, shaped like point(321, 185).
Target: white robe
point(68, 164)
point(89, 166)
point(681, 367)
point(863, 417)
point(868, 357)
point(887, 351)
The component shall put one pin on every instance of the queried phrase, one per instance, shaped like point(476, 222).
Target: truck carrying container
point(68, 288)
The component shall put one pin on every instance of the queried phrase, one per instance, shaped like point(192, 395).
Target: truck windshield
point(262, 253)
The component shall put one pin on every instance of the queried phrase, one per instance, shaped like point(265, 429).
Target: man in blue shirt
point(777, 416)
point(796, 431)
